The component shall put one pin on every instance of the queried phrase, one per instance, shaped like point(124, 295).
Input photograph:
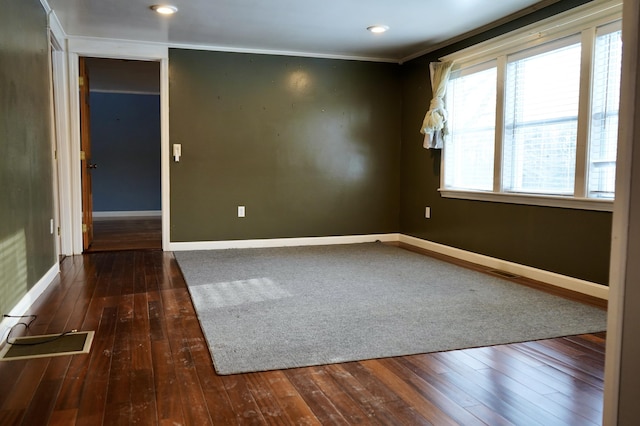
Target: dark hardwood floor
point(113, 234)
point(150, 365)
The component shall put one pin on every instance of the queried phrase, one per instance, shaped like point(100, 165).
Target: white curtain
point(434, 127)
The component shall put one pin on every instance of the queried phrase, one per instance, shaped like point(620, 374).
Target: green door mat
point(47, 345)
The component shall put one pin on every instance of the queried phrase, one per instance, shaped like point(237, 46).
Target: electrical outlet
point(241, 211)
point(427, 212)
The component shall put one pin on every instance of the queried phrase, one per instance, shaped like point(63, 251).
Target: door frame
point(60, 118)
point(110, 49)
point(85, 157)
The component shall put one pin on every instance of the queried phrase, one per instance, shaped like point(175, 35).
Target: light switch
point(177, 151)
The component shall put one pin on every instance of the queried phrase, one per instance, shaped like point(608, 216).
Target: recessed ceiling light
point(377, 29)
point(164, 9)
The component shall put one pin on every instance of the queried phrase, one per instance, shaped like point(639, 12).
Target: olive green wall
point(26, 203)
point(570, 242)
point(310, 146)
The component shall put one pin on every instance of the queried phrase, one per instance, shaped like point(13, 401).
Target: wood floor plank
point(10, 373)
point(488, 416)
point(11, 417)
point(243, 403)
point(320, 404)
point(289, 399)
point(590, 341)
point(220, 407)
point(563, 383)
point(22, 392)
point(93, 399)
point(42, 403)
point(114, 234)
point(194, 405)
point(426, 408)
point(398, 409)
point(63, 417)
point(350, 410)
point(422, 366)
point(572, 367)
point(552, 374)
point(150, 364)
point(489, 393)
point(140, 335)
point(552, 412)
point(269, 406)
point(512, 368)
point(431, 393)
point(118, 410)
point(377, 399)
point(143, 397)
point(587, 413)
point(168, 399)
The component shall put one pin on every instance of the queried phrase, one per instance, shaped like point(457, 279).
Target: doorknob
point(92, 166)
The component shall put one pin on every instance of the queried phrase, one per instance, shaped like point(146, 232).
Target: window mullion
point(499, 131)
point(584, 112)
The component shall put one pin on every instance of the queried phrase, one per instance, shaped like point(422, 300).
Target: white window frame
point(582, 20)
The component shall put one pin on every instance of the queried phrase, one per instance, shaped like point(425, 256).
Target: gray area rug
point(277, 308)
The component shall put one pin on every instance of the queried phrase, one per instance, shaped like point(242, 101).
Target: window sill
point(533, 200)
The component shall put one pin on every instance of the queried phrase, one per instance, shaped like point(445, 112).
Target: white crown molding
point(80, 43)
point(45, 6)
point(214, 48)
point(54, 25)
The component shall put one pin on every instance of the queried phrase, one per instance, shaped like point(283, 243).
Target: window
point(533, 118)
point(604, 113)
point(472, 114)
point(541, 119)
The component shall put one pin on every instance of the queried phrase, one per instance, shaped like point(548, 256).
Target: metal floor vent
point(503, 273)
point(47, 345)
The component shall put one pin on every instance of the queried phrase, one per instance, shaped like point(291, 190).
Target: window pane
point(468, 154)
point(604, 115)
point(541, 116)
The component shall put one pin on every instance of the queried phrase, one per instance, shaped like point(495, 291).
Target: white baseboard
point(125, 214)
point(558, 280)
point(282, 242)
point(552, 278)
point(25, 303)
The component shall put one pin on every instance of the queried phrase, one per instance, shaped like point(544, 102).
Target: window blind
point(604, 113)
point(541, 116)
point(469, 153)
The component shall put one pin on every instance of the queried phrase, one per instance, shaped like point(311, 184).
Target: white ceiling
point(329, 28)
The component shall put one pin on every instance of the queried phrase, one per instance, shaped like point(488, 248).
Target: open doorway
point(121, 182)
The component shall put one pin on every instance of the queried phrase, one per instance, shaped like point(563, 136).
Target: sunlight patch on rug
point(235, 293)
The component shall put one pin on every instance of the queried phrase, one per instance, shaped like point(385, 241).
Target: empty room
point(219, 212)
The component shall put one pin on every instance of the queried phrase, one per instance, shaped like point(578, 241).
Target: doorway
point(121, 152)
